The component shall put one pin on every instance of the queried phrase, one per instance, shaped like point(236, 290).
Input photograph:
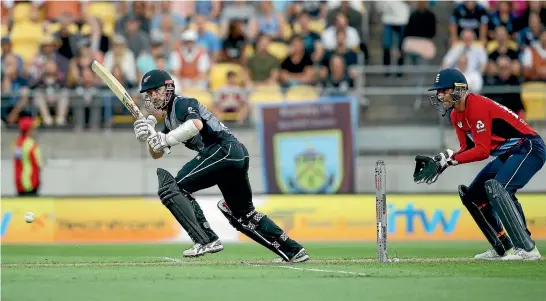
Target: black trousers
point(224, 165)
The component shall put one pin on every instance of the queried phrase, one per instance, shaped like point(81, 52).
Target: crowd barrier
point(316, 218)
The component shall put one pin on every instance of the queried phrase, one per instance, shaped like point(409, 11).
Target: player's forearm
point(475, 154)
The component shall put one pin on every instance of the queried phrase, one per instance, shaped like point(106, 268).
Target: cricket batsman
point(485, 128)
point(221, 160)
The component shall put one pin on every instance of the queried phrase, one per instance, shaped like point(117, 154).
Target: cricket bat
point(119, 91)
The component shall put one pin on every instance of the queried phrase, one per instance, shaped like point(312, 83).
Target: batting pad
point(480, 220)
point(180, 206)
point(509, 215)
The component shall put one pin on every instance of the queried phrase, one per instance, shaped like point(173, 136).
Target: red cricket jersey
point(487, 128)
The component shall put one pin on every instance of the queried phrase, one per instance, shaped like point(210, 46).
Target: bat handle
point(166, 149)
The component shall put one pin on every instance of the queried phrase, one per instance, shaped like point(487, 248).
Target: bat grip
point(166, 149)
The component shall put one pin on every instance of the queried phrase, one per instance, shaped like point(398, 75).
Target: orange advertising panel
point(410, 217)
point(87, 221)
point(14, 229)
point(113, 220)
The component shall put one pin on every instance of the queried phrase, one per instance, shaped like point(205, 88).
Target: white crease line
point(311, 270)
point(283, 267)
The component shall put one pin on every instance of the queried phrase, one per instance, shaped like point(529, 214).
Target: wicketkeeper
point(485, 128)
point(221, 160)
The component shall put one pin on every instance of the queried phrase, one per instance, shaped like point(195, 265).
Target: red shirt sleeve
point(481, 123)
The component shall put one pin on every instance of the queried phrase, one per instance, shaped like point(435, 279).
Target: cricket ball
point(29, 217)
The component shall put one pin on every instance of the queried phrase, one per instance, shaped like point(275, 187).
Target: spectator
point(473, 76)
point(505, 77)
point(353, 15)
point(338, 80)
point(503, 17)
point(355, 5)
point(168, 33)
point(207, 39)
point(231, 98)
point(121, 55)
point(395, 17)
point(468, 15)
point(142, 10)
point(88, 100)
point(165, 10)
point(7, 50)
point(191, 62)
point(532, 32)
point(212, 9)
point(328, 37)
point(534, 60)
point(99, 41)
point(14, 91)
point(233, 47)
point(267, 21)
point(534, 7)
point(27, 160)
point(147, 60)
point(317, 10)
point(83, 60)
point(476, 54)
point(349, 57)
point(297, 68)
point(311, 40)
point(48, 50)
point(137, 39)
point(69, 41)
point(263, 67)
point(50, 92)
point(422, 25)
point(501, 47)
point(241, 11)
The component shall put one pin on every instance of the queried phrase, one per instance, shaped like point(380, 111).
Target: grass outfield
point(244, 272)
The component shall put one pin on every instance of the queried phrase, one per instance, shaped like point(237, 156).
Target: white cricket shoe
point(490, 254)
point(195, 251)
point(511, 255)
point(534, 254)
point(214, 247)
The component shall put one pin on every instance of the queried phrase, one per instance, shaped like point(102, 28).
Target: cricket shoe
point(534, 254)
point(490, 254)
point(511, 254)
point(214, 247)
point(195, 251)
point(301, 256)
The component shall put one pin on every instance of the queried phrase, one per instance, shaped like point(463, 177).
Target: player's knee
point(167, 186)
point(464, 194)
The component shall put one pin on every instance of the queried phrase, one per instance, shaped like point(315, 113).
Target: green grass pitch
point(245, 272)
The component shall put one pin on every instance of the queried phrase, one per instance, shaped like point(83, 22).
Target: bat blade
point(116, 87)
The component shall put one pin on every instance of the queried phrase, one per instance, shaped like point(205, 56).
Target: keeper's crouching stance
point(221, 160)
point(485, 128)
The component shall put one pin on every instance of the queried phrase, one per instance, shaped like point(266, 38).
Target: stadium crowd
point(232, 54)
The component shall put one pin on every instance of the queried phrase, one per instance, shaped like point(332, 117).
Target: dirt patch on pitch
point(176, 261)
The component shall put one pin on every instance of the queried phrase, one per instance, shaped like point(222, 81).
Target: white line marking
point(311, 270)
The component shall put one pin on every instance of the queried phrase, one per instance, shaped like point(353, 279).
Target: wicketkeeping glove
point(428, 169)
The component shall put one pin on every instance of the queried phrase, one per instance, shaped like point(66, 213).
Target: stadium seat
point(249, 51)
point(302, 93)
point(21, 12)
point(103, 10)
point(26, 32)
point(5, 30)
point(314, 26)
point(266, 96)
point(27, 51)
point(533, 95)
point(288, 32)
point(218, 74)
point(204, 97)
point(279, 50)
